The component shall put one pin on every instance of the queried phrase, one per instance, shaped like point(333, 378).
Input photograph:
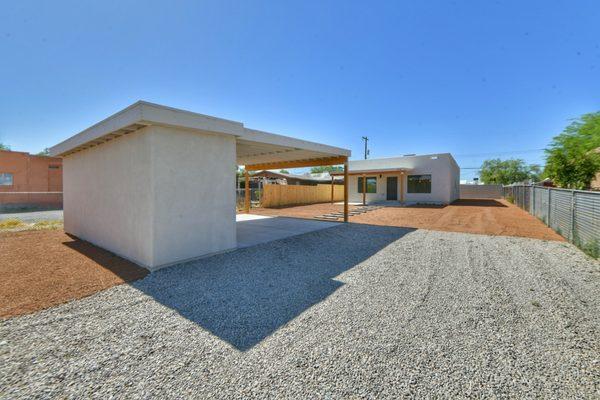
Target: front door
point(392, 188)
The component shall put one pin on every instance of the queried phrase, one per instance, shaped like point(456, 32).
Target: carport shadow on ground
point(244, 296)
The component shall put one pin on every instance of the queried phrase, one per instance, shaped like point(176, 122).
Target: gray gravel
point(350, 311)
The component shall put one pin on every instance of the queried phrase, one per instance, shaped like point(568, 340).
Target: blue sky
point(478, 79)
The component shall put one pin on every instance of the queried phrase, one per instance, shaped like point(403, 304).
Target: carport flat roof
point(255, 149)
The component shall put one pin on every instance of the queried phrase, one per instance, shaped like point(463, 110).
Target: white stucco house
point(155, 184)
point(411, 179)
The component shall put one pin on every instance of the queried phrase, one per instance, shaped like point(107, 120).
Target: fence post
point(532, 200)
point(573, 203)
point(548, 209)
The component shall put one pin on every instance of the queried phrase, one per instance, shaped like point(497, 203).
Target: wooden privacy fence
point(287, 195)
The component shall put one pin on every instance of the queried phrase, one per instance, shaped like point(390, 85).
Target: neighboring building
point(546, 183)
point(595, 183)
point(310, 179)
point(26, 180)
point(432, 178)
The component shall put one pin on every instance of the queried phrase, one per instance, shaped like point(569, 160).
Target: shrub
point(592, 248)
point(11, 223)
point(52, 224)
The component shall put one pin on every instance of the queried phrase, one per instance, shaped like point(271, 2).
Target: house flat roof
point(371, 171)
point(254, 147)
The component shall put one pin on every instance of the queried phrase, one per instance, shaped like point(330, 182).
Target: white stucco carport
point(155, 184)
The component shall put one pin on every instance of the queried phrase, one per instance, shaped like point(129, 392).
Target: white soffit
point(253, 146)
point(257, 147)
point(139, 115)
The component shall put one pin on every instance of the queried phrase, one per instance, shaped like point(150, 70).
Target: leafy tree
point(4, 146)
point(573, 157)
point(284, 171)
point(45, 152)
point(326, 168)
point(497, 171)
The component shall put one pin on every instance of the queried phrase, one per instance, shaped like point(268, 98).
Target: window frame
point(373, 183)
point(419, 190)
point(12, 179)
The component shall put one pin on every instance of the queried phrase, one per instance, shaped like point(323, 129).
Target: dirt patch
point(43, 268)
point(489, 217)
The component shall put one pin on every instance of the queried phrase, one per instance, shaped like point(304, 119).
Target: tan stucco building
point(155, 184)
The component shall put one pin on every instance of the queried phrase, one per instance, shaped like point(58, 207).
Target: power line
point(499, 152)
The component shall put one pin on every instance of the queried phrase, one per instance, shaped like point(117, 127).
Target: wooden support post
point(346, 190)
point(364, 189)
point(402, 187)
point(246, 191)
point(332, 189)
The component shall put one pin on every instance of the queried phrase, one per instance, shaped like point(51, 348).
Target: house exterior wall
point(444, 171)
point(157, 196)
point(31, 173)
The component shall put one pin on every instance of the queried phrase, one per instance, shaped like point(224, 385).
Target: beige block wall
point(157, 196)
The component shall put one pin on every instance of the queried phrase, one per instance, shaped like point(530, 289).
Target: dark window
point(419, 184)
point(53, 166)
point(371, 184)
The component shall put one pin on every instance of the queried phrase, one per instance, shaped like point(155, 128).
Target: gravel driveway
point(350, 311)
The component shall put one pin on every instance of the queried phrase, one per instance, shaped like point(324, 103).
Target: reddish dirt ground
point(44, 268)
point(41, 269)
point(489, 217)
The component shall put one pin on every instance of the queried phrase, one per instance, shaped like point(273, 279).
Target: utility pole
point(366, 139)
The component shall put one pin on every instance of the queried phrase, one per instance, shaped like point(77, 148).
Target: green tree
point(573, 157)
point(4, 146)
point(284, 171)
point(326, 168)
point(505, 172)
point(45, 152)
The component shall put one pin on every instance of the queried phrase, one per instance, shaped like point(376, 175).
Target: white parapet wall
point(444, 171)
point(157, 196)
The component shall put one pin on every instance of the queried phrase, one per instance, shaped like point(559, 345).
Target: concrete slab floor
point(255, 229)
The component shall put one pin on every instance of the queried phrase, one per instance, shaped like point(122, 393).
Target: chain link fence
point(255, 197)
point(574, 214)
point(20, 211)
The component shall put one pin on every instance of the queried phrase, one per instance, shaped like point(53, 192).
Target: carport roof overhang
point(254, 149)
